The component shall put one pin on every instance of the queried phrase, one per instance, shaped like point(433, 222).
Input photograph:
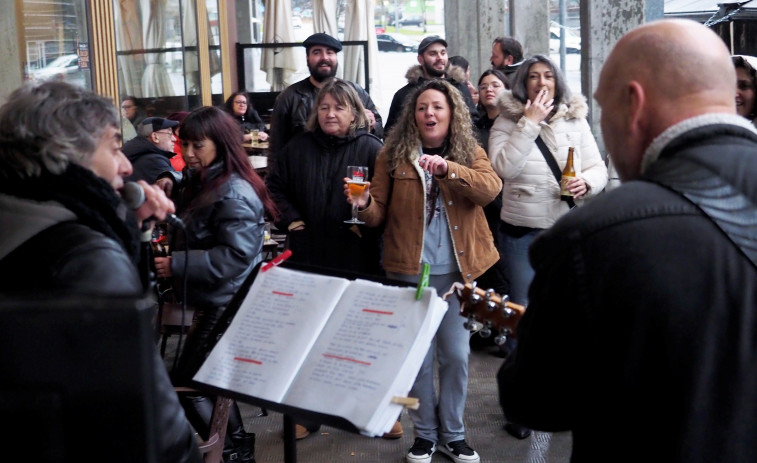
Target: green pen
point(423, 283)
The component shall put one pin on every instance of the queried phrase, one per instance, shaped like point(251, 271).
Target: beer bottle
point(568, 173)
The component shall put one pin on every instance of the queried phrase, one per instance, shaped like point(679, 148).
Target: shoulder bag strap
point(552, 163)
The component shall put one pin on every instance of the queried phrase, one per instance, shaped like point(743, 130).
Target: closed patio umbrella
point(359, 25)
point(129, 37)
point(278, 63)
point(324, 17)
point(155, 79)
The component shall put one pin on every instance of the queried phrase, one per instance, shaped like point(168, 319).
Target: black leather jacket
point(224, 233)
point(292, 109)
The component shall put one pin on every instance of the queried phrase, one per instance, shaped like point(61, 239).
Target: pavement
point(484, 431)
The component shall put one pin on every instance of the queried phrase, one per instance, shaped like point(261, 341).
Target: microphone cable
point(183, 300)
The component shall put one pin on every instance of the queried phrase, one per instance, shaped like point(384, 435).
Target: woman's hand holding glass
point(356, 187)
point(163, 267)
point(357, 201)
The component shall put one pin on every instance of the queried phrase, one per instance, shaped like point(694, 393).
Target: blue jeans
point(518, 269)
point(440, 417)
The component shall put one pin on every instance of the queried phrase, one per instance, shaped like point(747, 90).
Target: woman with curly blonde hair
point(430, 185)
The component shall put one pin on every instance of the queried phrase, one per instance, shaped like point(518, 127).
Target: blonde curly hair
point(404, 140)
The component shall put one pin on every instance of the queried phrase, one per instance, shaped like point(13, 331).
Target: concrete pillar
point(529, 24)
point(470, 28)
point(603, 23)
point(11, 74)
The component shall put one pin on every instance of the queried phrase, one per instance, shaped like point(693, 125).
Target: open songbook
point(326, 344)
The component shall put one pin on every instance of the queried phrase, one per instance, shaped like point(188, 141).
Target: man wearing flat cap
point(293, 105)
point(433, 63)
point(150, 153)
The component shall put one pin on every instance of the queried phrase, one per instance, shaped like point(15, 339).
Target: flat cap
point(430, 40)
point(153, 124)
point(323, 39)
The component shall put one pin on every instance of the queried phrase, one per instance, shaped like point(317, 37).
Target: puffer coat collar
point(511, 108)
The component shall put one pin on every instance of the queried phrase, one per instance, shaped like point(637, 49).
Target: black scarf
point(91, 198)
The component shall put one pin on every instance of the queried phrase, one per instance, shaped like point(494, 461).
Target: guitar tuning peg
point(507, 312)
point(500, 339)
point(491, 306)
point(472, 325)
point(474, 298)
point(504, 299)
point(485, 332)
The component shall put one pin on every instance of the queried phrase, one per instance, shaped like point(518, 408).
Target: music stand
point(289, 412)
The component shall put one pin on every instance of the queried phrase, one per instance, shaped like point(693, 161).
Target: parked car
point(58, 68)
point(395, 42)
point(572, 40)
point(413, 20)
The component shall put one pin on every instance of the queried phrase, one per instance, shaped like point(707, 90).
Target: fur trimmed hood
point(455, 74)
point(511, 108)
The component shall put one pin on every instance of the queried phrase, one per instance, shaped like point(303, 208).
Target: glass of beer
point(255, 133)
point(359, 179)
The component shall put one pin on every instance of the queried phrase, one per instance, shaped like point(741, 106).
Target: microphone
point(134, 196)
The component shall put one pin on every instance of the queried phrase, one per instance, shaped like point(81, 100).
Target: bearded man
point(293, 105)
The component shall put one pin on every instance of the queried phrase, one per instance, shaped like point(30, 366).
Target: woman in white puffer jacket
point(539, 104)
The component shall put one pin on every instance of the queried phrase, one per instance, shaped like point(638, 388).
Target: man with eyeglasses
point(150, 153)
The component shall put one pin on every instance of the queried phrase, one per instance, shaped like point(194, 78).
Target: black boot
point(517, 431)
point(240, 445)
point(243, 450)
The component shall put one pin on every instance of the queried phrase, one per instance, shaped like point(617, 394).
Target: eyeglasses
point(169, 132)
point(493, 86)
point(241, 103)
point(127, 106)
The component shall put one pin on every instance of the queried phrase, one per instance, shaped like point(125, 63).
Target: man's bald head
point(656, 76)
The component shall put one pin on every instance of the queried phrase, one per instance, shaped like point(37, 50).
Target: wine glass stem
point(354, 211)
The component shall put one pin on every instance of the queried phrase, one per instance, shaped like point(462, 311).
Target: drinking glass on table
point(359, 177)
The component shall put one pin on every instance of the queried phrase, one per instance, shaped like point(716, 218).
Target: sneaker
point(421, 451)
point(460, 452)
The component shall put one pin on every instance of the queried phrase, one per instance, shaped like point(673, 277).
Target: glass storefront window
point(214, 42)
point(158, 65)
point(55, 41)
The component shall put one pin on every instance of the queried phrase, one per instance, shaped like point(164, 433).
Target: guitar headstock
point(488, 312)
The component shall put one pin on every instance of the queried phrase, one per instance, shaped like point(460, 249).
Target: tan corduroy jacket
point(398, 199)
